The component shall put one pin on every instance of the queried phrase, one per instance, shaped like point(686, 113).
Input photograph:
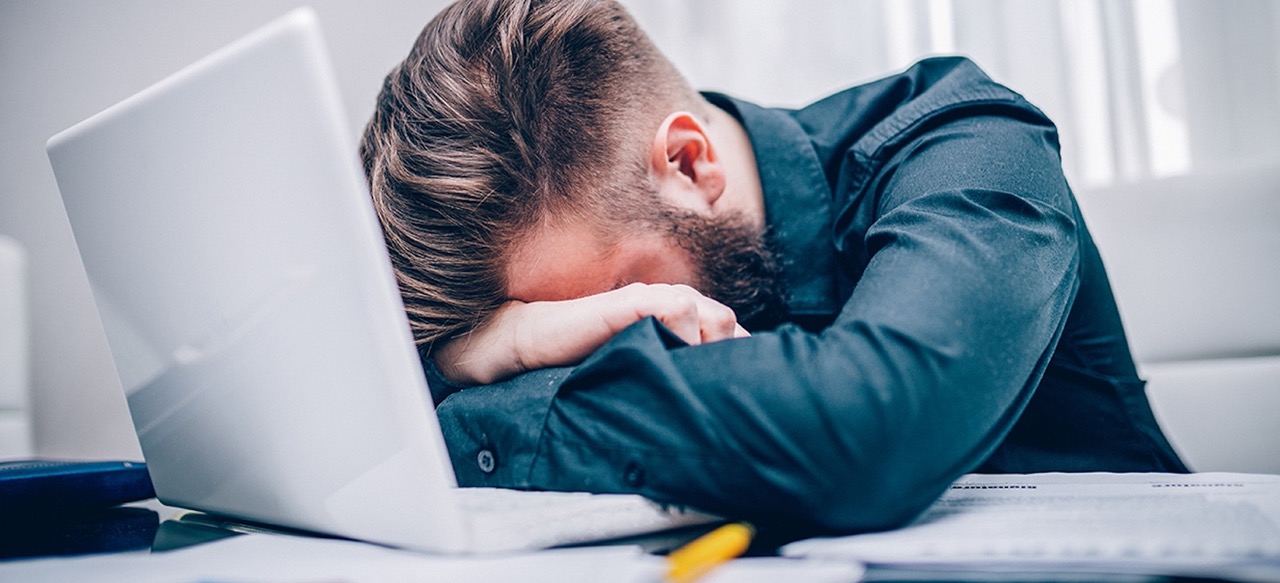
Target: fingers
point(716, 321)
point(691, 316)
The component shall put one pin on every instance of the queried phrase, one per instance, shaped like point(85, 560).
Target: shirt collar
point(797, 203)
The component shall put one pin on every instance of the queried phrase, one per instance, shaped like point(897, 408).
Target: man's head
point(541, 150)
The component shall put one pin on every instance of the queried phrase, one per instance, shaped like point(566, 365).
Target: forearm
point(522, 336)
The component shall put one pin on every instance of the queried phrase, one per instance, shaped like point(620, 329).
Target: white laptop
point(255, 321)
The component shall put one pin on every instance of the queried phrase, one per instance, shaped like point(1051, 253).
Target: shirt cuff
point(492, 431)
point(439, 385)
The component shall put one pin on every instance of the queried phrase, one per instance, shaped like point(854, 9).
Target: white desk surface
point(274, 558)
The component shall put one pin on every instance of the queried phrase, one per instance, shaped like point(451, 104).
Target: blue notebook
point(55, 486)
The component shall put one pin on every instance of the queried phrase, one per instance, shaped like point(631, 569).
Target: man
point(583, 242)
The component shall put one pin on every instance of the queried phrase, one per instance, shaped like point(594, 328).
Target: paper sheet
point(1210, 524)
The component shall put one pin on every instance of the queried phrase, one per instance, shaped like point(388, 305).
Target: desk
point(1105, 527)
point(139, 543)
point(152, 542)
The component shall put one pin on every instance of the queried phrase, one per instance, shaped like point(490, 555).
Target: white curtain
point(1138, 88)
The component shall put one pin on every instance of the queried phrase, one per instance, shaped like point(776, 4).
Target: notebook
point(255, 322)
point(38, 488)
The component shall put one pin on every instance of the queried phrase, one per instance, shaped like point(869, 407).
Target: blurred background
point(1140, 89)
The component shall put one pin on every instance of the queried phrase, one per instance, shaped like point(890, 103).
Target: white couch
point(15, 423)
point(1195, 264)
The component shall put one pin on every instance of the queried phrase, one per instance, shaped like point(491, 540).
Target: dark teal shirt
point(948, 313)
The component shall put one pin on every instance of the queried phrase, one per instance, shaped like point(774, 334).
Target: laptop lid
point(246, 294)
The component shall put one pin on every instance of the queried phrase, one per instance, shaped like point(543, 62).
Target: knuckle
point(685, 289)
point(683, 305)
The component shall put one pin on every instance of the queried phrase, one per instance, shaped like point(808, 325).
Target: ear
point(684, 163)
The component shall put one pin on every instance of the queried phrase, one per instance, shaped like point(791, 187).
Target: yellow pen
point(708, 551)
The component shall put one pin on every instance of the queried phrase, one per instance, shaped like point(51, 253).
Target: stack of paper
point(1215, 525)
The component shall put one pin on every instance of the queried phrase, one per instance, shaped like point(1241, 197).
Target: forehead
point(556, 262)
point(568, 261)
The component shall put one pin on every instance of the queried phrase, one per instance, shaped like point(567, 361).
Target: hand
point(527, 336)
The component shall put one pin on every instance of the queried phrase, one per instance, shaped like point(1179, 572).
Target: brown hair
point(507, 113)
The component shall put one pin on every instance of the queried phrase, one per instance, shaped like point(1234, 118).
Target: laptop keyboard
point(516, 519)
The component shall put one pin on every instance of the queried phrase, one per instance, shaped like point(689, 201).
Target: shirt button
point(486, 461)
point(633, 475)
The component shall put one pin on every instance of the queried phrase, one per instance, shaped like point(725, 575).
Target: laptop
point(254, 319)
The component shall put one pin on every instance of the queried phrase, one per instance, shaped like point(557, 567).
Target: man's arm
point(972, 271)
point(522, 337)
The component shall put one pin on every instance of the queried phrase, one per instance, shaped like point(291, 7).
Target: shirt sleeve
point(970, 272)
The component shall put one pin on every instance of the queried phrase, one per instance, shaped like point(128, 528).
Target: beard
point(734, 262)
